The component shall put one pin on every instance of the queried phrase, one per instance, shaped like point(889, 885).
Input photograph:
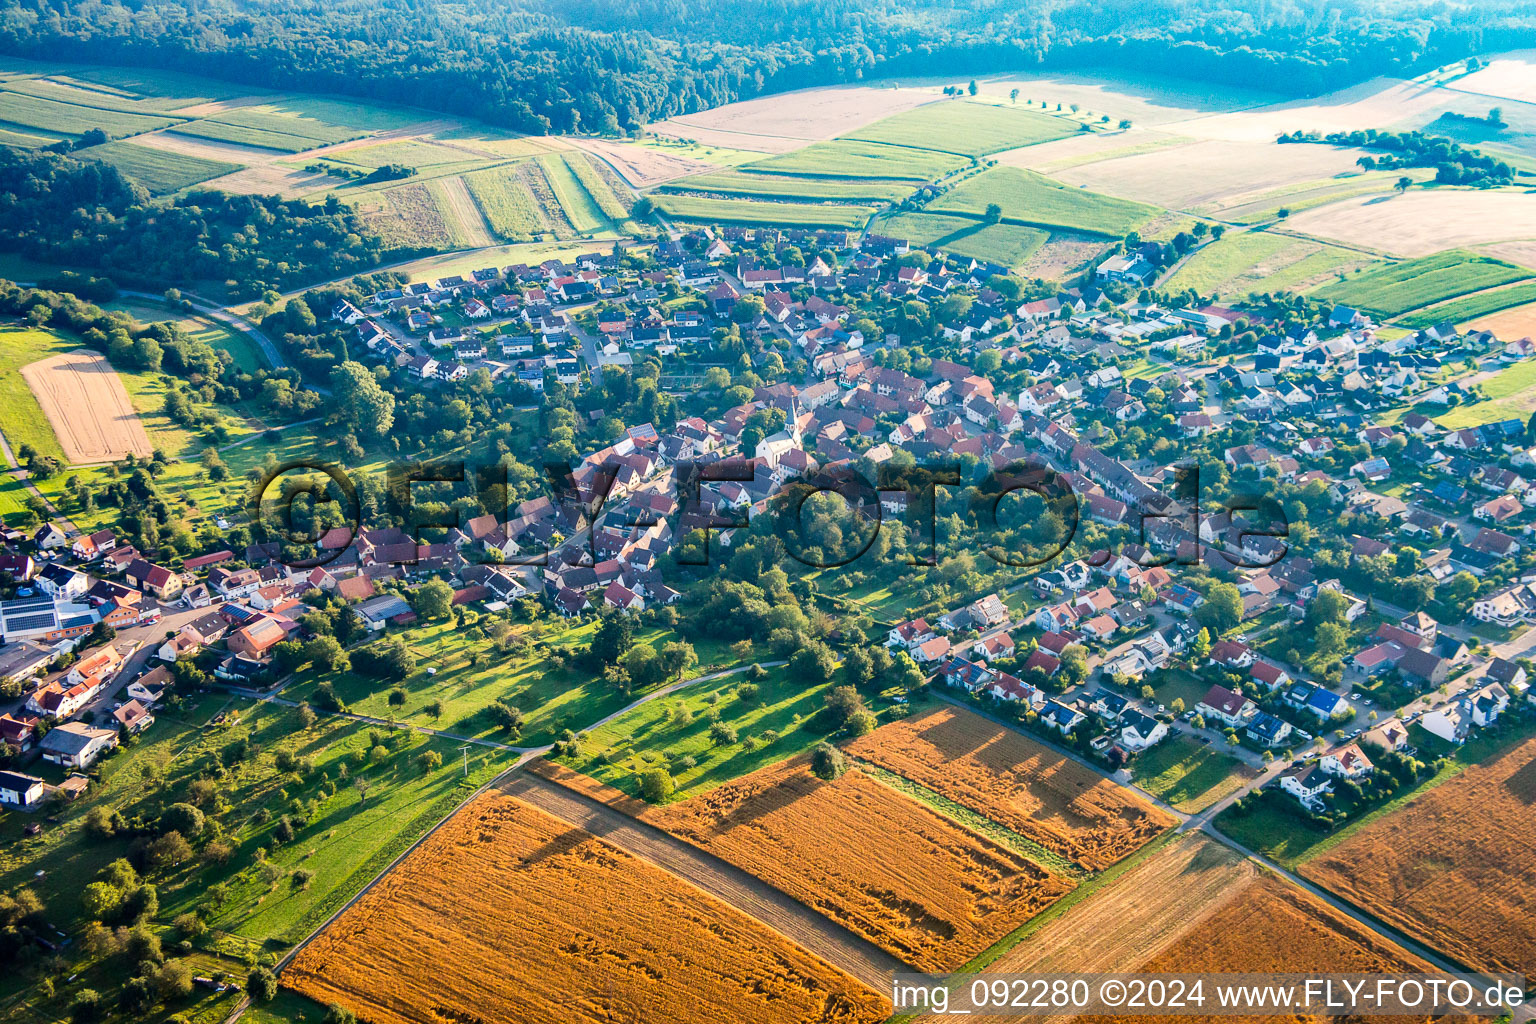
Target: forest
point(87, 214)
point(607, 67)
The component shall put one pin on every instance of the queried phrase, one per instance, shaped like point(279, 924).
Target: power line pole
point(465, 748)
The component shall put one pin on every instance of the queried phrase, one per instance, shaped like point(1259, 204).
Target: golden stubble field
point(88, 407)
point(1269, 925)
point(882, 865)
point(1453, 867)
point(509, 916)
point(1018, 783)
point(777, 124)
point(1423, 221)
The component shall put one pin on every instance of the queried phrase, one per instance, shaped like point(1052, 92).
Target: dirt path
point(747, 893)
point(476, 233)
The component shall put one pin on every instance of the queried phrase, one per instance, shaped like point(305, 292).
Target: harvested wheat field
point(1270, 925)
point(885, 867)
point(1016, 782)
point(509, 915)
point(1511, 77)
point(1418, 223)
point(1509, 324)
point(1453, 867)
point(87, 407)
point(1133, 918)
point(1193, 176)
point(642, 166)
point(1141, 912)
point(806, 116)
point(1378, 103)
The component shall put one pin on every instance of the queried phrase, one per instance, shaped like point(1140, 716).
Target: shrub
point(656, 785)
point(828, 762)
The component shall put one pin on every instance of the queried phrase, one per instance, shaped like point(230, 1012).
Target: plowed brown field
point(1016, 782)
point(883, 866)
point(1454, 866)
point(507, 915)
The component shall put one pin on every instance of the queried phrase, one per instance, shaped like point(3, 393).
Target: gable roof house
point(1223, 705)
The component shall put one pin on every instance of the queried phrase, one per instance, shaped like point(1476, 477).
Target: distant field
point(584, 212)
point(244, 136)
point(1411, 284)
point(71, 118)
point(509, 207)
point(145, 82)
point(158, 170)
point(1006, 244)
point(412, 215)
point(743, 211)
point(272, 126)
point(1303, 196)
point(87, 95)
point(737, 183)
point(852, 159)
point(1035, 200)
point(1471, 307)
point(968, 129)
point(1258, 261)
point(595, 185)
point(420, 153)
point(25, 140)
point(279, 118)
point(345, 114)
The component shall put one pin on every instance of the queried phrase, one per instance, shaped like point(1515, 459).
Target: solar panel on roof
point(25, 603)
point(21, 622)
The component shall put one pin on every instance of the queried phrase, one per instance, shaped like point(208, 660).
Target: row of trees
point(1454, 163)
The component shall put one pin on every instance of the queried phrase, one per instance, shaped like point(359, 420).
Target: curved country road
point(235, 322)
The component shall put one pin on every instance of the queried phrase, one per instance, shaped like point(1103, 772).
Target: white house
point(1307, 783)
point(76, 745)
point(910, 634)
point(1451, 722)
point(1139, 731)
point(1348, 761)
point(18, 790)
point(1223, 705)
point(1060, 717)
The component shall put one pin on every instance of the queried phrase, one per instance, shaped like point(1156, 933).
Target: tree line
point(608, 67)
point(88, 214)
